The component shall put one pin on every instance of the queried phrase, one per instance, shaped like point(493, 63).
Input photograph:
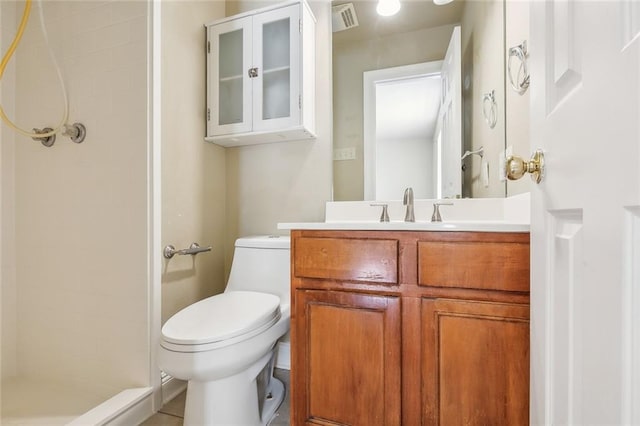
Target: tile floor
point(173, 411)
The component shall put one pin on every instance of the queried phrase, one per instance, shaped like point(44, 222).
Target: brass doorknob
point(516, 167)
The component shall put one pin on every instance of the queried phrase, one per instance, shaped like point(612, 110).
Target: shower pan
point(77, 225)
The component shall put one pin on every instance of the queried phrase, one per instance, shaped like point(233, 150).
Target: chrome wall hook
point(47, 141)
point(76, 132)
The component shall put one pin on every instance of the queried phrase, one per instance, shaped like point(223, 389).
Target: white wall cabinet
point(261, 76)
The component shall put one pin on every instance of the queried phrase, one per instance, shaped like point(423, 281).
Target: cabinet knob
point(253, 72)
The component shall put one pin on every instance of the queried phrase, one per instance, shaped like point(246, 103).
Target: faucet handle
point(384, 217)
point(435, 217)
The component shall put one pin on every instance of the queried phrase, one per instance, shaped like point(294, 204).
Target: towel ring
point(490, 108)
point(521, 81)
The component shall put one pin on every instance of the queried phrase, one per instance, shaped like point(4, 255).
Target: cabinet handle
point(372, 276)
point(253, 72)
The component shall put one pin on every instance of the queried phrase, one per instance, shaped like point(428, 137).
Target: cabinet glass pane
point(230, 77)
point(276, 79)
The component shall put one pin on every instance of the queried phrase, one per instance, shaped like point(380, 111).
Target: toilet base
point(234, 400)
point(272, 403)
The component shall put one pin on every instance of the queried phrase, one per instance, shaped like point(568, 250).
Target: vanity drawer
point(346, 259)
point(484, 265)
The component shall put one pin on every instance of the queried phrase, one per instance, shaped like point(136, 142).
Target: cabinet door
point(229, 86)
point(346, 359)
point(277, 57)
point(475, 363)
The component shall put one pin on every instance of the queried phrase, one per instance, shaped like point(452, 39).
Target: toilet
point(225, 345)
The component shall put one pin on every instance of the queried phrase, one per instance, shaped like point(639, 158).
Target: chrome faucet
point(408, 201)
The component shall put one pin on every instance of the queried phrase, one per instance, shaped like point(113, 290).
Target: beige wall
point(350, 60)
point(193, 171)
point(517, 30)
point(81, 228)
point(483, 47)
point(287, 181)
point(233, 7)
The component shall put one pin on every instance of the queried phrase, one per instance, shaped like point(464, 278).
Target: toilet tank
point(262, 264)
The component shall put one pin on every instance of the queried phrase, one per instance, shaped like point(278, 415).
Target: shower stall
point(79, 221)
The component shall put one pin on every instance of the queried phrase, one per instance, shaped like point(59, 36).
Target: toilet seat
point(220, 320)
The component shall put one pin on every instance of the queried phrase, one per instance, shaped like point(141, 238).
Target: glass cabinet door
point(229, 84)
point(276, 54)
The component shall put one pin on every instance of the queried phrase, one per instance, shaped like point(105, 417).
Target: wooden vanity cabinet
point(333, 323)
point(475, 359)
point(338, 326)
point(409, 328)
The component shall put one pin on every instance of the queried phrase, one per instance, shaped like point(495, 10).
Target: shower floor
point(34, 402)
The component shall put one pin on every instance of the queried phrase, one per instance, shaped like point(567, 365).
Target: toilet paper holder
point(170, 251)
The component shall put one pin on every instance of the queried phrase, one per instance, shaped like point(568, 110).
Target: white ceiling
point(413, 15)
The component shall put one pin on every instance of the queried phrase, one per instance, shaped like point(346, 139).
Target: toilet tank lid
point(265, 241)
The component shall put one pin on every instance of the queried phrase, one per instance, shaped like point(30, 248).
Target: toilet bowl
point(225, 345)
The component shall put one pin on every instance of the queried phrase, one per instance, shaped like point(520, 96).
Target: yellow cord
point(5, 60)
point(14, 44)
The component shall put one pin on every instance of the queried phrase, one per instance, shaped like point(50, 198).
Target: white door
point(449, 133)
point(585, 224)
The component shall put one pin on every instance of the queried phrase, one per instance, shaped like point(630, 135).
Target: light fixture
point(441, 2)
point(388, 7)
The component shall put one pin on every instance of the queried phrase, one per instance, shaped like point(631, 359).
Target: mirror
point(419, 34)
point(407, 135)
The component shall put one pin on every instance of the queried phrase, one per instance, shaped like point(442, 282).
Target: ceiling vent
point(343, 17)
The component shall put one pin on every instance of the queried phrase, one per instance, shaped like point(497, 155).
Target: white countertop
point(475, 226)
point(475, 215)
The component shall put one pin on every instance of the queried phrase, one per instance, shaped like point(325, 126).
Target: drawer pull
point(370, 276)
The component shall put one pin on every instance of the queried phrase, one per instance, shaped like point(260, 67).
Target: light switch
point(341, 154)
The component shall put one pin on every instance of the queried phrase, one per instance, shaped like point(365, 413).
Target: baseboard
point(172, 387)
point(283, 358)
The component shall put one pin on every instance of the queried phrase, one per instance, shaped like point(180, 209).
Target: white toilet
point(225, 345)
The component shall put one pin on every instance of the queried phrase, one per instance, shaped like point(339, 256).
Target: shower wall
point(8, 296)
point(81, 286)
